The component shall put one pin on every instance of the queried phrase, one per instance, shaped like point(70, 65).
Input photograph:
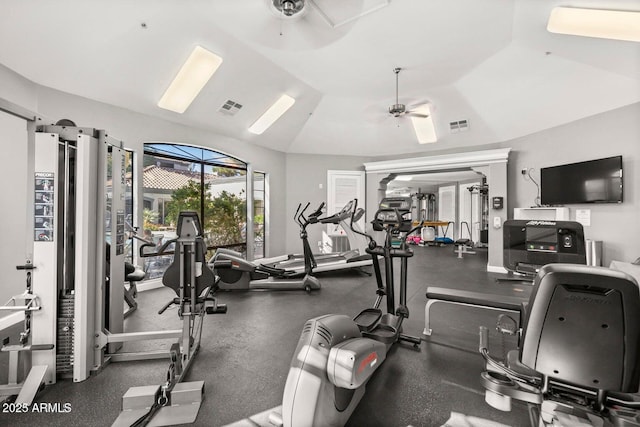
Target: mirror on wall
point(457, 198)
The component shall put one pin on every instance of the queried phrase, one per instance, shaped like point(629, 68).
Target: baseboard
point(147, 285)
point(10, 320)
point(496, 269)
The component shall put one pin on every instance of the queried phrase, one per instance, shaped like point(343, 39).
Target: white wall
point(608, 134)
point(15, 247)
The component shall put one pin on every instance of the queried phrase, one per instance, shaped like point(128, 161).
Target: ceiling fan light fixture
point(192, 77)
point(270, 116)
point(288, 7)
point(397, 110)
point(599, 23)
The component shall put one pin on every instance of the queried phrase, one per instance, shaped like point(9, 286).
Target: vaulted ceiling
point(490, 62)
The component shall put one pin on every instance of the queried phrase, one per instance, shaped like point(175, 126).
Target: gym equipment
point(577, 362)
point(245, 275)
point(482, 190)
point(133, 274)
point(79, 247)
point(356, 257)
point(426, 206)
point(528, 246)
point(336, 355)
point(24, 379)
point(74, 215)
point(175, 401)
point(464, 245)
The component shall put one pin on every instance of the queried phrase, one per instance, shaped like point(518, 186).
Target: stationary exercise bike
point(577, 363)
point(336, 355)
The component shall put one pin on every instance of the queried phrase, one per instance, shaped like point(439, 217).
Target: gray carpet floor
point(245, 354)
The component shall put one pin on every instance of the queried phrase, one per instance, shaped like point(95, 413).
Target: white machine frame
point(83, 204)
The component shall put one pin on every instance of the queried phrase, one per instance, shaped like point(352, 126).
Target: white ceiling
point(491, 62)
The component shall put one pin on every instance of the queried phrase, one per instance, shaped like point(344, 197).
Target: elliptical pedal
point(368, 319)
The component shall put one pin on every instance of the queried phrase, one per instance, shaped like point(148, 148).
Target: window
point(180, 177)
point(259, 213)
point(129, 205)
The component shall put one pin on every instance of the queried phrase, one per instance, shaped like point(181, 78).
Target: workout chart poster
point(43, 211)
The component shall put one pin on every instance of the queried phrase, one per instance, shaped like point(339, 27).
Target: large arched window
point(181, 177)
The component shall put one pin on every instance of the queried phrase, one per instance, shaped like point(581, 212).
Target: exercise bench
point(502, 303)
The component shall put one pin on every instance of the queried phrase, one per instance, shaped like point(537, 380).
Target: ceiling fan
point(420, 115)
point(399, 110)
point(288, 8)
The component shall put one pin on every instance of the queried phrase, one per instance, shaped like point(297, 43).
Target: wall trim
point(445, 161)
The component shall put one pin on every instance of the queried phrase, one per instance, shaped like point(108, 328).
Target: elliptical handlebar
point(372, 242)
point(160, 252)
point(314, 217)
point(303, 220)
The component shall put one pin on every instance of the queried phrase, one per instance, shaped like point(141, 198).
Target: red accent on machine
point(369, 360)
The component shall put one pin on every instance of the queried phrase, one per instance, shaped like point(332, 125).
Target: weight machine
point(177, 402)
point(482, 191)
point(79, 252)
point(24, 379)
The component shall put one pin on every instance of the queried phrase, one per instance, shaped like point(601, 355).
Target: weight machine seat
point(462, 242)
point(504, 302)
point(133, 273)
point(583, 327)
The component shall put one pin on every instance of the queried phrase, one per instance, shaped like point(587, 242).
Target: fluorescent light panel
point(194, 74)
point(272, 114)
point(425, 131)
point(606, 24)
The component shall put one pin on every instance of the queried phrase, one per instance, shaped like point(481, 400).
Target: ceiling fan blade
point(417, 114)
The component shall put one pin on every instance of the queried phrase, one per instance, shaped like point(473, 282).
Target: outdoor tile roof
point(168, 178)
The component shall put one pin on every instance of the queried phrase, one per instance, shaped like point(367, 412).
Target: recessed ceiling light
point(272, 114)
point(425, 131)
point(194, 74)
point(607, 24)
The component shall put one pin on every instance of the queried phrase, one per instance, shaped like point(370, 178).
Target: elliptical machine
point(336, 355)
point(244, 275)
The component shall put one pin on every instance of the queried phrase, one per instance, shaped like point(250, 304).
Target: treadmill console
point(530, 244)
point(394, 212)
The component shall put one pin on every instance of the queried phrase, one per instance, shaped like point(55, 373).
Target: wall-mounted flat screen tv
point(594, 181)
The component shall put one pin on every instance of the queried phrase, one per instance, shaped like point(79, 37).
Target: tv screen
point(594, 181)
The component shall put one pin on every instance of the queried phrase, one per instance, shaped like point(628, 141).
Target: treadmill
point(356, 257)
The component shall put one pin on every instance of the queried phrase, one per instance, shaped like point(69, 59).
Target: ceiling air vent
point(459, 126)
point(230, 107)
